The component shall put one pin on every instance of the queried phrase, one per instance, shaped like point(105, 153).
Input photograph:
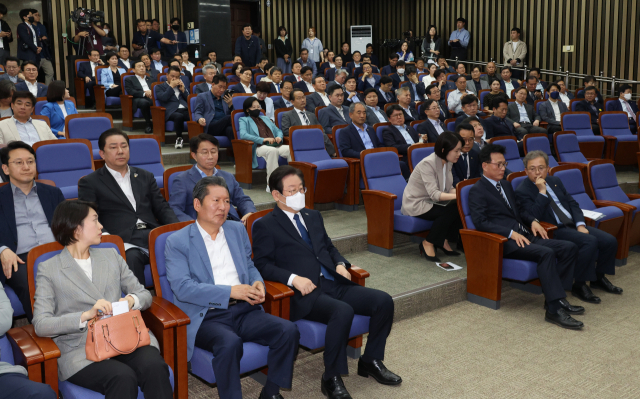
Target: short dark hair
point(337, 56)
point(495, 103)
point(426, 105)
point(303, 50)
point(3, 9)
point(218, 78)
point(56, 91)
point(332, 89)
point(535, 69)
point(460, 77)
point(368, 45)
point(284, 82)
point(468, 99)
point(394, 107)
point(438, 73)
point(6, 89)
point(305, 70)
point(297, 62)
point(174, 19)
point(24, 12)
point(464, 126)
point(90, 52)
point(14, 145)
point(365, 55)
point(153, 20)
point(385, 79)
point(235, 66)
point(431, 87)
point(194, 143)
point(245, 69)
point(351, 77)
point(114, 131)
point(370, 90)
point(25, 63)
point(393, 56)
point(556, 86)
point(69, 214)
point(264, 87)
point(275, 180)
point(245, 25)
point(14, 59)
point(531, 77)
point(446, 142)
point(516, 30)
point(469, 120)
point(400, 63)
point(123, 46)
point(139, 61)
point(24, 94)
point(292, 96)
point(248, 103)
point(589, 78)
point(475, 67)
point(111, 54)
point(140, 20)
point(268, 67)
point(212, 51)
point(356, 52)
point(623, 87)
point(410, 69)
point(174, 68)
point(175, 60)
point(506, 68)
point(488, 149)
point(313, 80)
point(588, 88)
point(520, 88)
point(201, 189)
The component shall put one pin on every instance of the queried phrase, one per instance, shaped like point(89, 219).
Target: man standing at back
point(291, 246)
point(248, 47)
point(129, 200)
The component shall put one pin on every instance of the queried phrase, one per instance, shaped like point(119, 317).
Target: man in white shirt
point(139, 87)
point(375, 114)
point(453, 102)
point(318, 98)
point(87, 71)
point(215, 282)
point(625, 104)
point(124, 61)
point(31, 84)
point(156, 60)
point(306, 84)
point(21, 127)
point(507, 84)
point(12, 71)
point(524, 114)
point(128, 198)
point(551, 111)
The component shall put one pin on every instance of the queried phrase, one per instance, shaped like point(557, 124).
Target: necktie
point(299, 78)
point(306, 120)
point(504, 196)
point(278, 88)
point(305, 236)
point(388, 97)
point(340, 112)
point(466, 162)
point(629, 110)
point(564, 219)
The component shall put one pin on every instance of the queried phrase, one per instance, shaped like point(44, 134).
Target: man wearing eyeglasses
point(468, 165)
point(204, 149)
point(291, 246)
point(545, 197)
point(31, 204)
point(493, 208)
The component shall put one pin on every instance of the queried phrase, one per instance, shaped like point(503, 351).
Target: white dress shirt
point(508, 86)
point(625, 107)
point(524, 118)
point(126, 63)
point(93, 68)
point(556, 109)
point(222, 265)
point(565, 99)
point(33, 87)
point(325, 98)
point(454, 100)
point(310, 88)
point(63, 108)
point(303, 117)
point(247, 89)
point(177, 92)
point(143, 83)
point(436, 124)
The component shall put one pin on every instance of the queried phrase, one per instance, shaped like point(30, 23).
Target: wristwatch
point(341, 264)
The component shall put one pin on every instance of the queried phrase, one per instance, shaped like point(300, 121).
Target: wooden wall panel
point(120, 14)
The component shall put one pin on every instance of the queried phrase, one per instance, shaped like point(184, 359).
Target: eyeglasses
point(19, 163)
point(288, 193)
point(207, 153)
point(500, 165)
point(539, 169)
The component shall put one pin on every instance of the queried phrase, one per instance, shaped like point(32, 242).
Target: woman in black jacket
point(283, 50)
point(432, 44)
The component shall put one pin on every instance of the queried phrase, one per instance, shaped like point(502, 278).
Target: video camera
point(84, 17)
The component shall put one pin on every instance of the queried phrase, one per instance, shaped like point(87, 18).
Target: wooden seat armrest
point(286, 140)
point(309, 172)
point(497, 238)
point(158, 319)
point(159, 124)
point(350, 161)
point(277, 291)
point(26, 351)
point(39, 355)
point(242, 151)
point(548, 226)
point(358, 275)
point(178, 315)
point(380, 194)
point(243, 142)
point(277, 301)
point(194, 129)
point(47, 346)
point(633, 196)
point(620, 205)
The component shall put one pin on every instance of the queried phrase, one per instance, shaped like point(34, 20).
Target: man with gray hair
point(215, 282)
point(403, 94)
point(545, 198)
point(340, 79)
point(208, 71)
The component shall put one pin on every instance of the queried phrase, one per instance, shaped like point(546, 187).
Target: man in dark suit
point(506, 82)
point(541, 84)
point(330, 74)
point(368, 79)
point(551, 110)
point(592, 106)
point(358, 137)
point(185, 75)
point(296, 68)
point(545, 198)
point(204, 150)
point(385, 92)
point(399, 76)
point(299, 116)
point(286, 100)
point(319, 97)
point(391, 68)
point(403, 95)
point(87, 71)
point(30, 71)
point(433, 92)
point(351, 94)
point(625, 104)
point(157, 62)
point(173, 95)
point(123, 58)
point(305, 61)
point(213, 111)
point(29, 44)
point(275, 74)
point(493, 209)
point(468, 165)
point(291, 246)
point(533, 93)
point(432, 127)
point(306, 84)
point(208, 72)
point(416, 88)
point(399, 135)
point(365, 60)
point(128, 198)
point(470, 109)
point(246, 82)
point(336, 113)
point(12, 71)
point(27, 209)
point(522, 112)
point(5, 35)
point(499, 125)
point(375, 114)
point(139, 86)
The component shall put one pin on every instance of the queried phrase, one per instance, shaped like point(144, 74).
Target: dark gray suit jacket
point(547, 114)
point(372, 118)
point(201, 88)
point(291, 118)
point(314, 100)
point(514, 114)
point(330, 118)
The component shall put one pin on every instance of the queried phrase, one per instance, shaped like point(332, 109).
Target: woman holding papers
point(430, 195)
point(75, 286)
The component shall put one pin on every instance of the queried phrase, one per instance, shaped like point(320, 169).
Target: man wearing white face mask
point(322, 282)
point(625, 104)
point(399, 76)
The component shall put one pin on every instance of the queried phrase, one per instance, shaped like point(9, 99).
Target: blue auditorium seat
point(64, 162)
point(90, 128)
point(591, 146)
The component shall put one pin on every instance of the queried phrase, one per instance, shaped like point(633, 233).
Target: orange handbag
point(116, 335)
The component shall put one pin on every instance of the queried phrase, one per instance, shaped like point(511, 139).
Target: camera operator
point(29, 45)
point(45, 54)
point(89, 38)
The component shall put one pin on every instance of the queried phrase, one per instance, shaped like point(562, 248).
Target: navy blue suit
point(122, 65)
point(556, 259)
point(597, 246)
point(396, 80)
point(25, 39)
point(459, 169)
point(240, 89)
point(329, 117)
point(420, 89)
point(42, 88)
point(181, 198)
point(280, 250)
point(273, 88)
point(362, 86)
point(167, 98)
point(172, 49)
point(427, 128)
point(617, 106)
point(504, 88)
point(393, 138)
point(279, 103)
point(382, 100)
point(387, 70)
point(49, 197)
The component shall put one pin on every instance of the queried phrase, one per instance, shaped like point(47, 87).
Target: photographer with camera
point(88, 34)
point(29, 45)
point(45, 55)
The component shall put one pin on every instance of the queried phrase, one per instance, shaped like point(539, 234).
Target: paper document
point(120, 307)
point(448, 266)
point(592, 214)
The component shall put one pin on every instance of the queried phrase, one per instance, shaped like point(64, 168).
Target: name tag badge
point(310, 51)
point(95, 41)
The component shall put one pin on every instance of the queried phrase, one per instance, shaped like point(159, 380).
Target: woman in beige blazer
point(72, 287)
point(431, 181)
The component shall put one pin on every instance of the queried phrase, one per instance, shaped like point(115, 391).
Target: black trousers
point(336, 306)
point(221, 127)
point(556, 261)
point(17, 385)
point(3, 55)
point(144, 105)
point(596, 128)
point(92, 97)
point(404, 168)
point(633, 126)
point(114, 92)
point(446, 223)
point(224, 330)
point(120, 376)
point(597, 246)
point(137, 260)
point(179, 117)
point(20, 285)
point(460, 52)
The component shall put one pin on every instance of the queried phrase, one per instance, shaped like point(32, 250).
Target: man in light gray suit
point(551, 111)
point(335, 113)
point(299, 116)
point(375, 114)
point(523, 115)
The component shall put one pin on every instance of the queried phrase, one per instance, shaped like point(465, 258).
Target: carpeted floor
point(468, 351)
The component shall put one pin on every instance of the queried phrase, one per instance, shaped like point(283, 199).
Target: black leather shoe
point(429, 258)
point(584, 293)
point(446, 252)
point(333, 388)
point(148, 129)
point(264, 396)
point(563, 319)
point(569, 308)
point(604, 284)
point(378, 371)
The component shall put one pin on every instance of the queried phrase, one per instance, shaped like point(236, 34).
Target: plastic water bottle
point(197, 54)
